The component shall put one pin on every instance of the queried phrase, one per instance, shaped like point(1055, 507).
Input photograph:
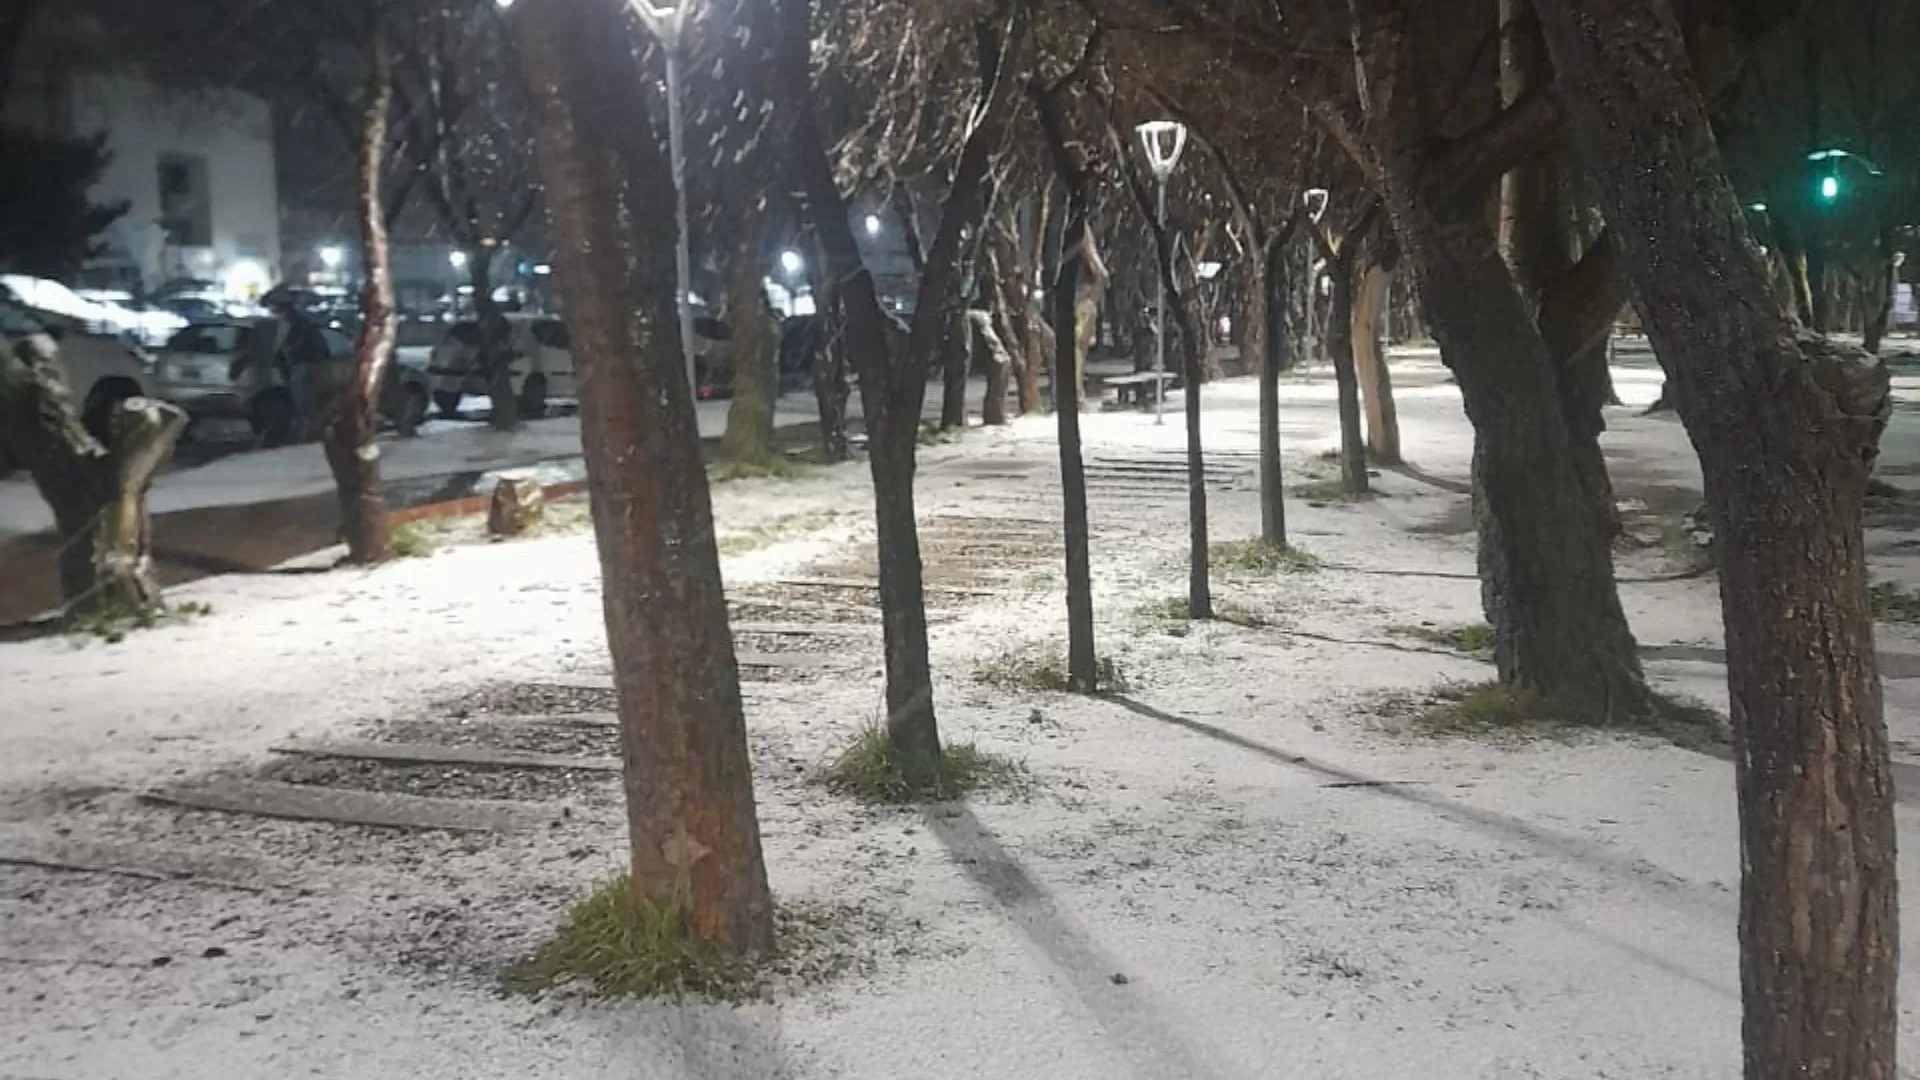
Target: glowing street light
point(457, 260)
point(332, 255)
point(1164, 141)
point(792, 263)
point(873, 225)
point(666, 19)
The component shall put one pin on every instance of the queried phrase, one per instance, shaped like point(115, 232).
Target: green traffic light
point(1829, 188)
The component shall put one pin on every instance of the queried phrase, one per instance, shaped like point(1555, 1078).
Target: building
point(194, 166)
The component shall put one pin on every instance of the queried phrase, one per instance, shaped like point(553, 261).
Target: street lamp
point(331, 256)
point(666, 19)
point(1315, 200)
point(873, 225)
point(1164, 142)
point(792, 263)
point(457, 259)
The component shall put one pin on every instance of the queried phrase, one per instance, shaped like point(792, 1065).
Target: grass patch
point(1329, 490)
point(870, 770)
point(1225, 609)
point(613, 943)
point(116, 617)
point(932, 434)
point(1892, 604)
point(772, 532)
point(1473, 639)
point(1260, 557)
point(411, 542)
point(1496, 711)
point(727, 470)
point(1045, 671)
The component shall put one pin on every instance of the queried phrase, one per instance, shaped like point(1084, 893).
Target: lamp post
point(1164, 141)
point(666, 19)
point(1315, 200)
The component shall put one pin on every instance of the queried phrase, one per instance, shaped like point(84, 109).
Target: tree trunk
point(754, 351)
point(1353, 444)
point(352, 454)
point(1787, 428)
point(693, 832)
point(992, 356)
point(1079, 258)
point(829, 369)
point(1273, 508)
point(1880, 302)
point(98, 494)
point(1370, 365)
point(954, 357)
point(1546, 571)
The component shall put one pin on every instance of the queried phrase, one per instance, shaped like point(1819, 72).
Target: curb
point(475, 504)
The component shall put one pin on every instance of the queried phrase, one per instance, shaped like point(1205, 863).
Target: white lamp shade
point(1165, 141)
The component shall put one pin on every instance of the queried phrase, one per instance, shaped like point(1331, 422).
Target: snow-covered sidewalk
point(1242, 867)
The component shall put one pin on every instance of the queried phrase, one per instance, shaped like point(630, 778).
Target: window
point(186, 207)
point(552, 333)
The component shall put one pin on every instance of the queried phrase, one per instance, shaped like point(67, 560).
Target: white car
point(199, 369)
point(150, 326)
point(101, 370)
point(541, 368)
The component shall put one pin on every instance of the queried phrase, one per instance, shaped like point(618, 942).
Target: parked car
point(541, 368)
point(216, 369)
point(149, 325)
point(101, 370)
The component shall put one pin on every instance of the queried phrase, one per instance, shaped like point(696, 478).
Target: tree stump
point(518, 503)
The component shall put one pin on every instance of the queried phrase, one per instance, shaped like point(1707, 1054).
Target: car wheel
point(448, 403)
point(533, 397)
point(106, 396)
point(272, 418)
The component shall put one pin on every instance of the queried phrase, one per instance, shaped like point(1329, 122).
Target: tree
point(97, 490)
point(692, 828)
point(1342, 267)
point(1079, 256)
point(1787, 426)
point(50, 226)
point(893, 380)
point(352, 455)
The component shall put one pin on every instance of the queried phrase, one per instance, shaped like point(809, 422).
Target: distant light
point(457, 259)
point(1315, 195)
point(503, 4)
point(245, 279)
point(540, 269)
point(791, 262)
point(332, 255)
point(1757, 207)
point(1829, 188)
point(873, 225)
point(1207, 271)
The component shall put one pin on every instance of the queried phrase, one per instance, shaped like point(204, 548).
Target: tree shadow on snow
point(1130, 1016)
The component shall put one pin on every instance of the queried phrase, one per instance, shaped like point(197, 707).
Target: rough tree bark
point(352, 454)
point(1079, 258)
point(1575, 304)
point(1273, 506)
point(754, 350)
point(955, 357)
point(694, 838)
point(1546, 570)
point(1375, 275)
point(1339, 343)
point(1787, 427)
point(992, 356)
point(98, 493)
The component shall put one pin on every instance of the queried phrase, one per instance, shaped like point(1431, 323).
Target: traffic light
point(1829, 188)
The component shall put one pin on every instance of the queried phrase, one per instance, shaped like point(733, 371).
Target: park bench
point(1136, 390)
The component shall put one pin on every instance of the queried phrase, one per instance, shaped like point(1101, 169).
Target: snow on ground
point(1239, 868)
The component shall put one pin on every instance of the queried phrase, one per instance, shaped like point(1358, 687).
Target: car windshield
point(221, 338)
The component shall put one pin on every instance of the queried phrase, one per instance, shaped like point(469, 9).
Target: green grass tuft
point(1225, 609)
point(1044, 671)
point(727, 470)
point(411, 542)
point(1892, 604)
point(620, 944)
point(114, 617)
point(1260, 557)
point(872, 771)
point(1497, 711)
point(1326, 491)
point(1473, 639)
